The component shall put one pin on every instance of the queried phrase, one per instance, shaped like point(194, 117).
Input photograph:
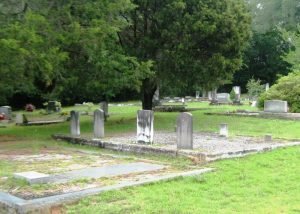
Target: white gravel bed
point(209, 143)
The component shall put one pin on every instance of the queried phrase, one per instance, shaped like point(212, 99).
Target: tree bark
point(148, 89)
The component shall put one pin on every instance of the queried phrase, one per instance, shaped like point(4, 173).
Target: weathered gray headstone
point(19, 119)
point(197, 94)
point(99, 118)
point(75, 125)
point(145, 120)
point(6, 110)
point(214, 95)
point(224, 130)
point(268, 138)
point(32, 177)
point(223, 98)
point(237, 91)
point(276, 106)
point(185, 131)
point(156, 100)
point(104, 107)
point(209, 95)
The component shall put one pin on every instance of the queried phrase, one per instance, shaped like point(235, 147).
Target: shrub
point(287, 89)
point(255, 89)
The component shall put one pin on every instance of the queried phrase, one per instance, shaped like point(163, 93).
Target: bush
point(255, 89)
point(287, 89)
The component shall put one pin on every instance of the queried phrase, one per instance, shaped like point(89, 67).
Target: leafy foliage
point(265, 58)
point(288, 89)
point(254, 88)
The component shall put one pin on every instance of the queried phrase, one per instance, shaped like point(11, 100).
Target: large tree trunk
point(148, 89)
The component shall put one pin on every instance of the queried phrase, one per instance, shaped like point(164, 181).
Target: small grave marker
point(224, 130)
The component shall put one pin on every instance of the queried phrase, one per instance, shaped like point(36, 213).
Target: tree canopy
point(88, 50)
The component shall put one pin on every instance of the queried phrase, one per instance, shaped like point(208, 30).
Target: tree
point(265, 58)
point(190, 42)
point(276, 13)
point(68, 50)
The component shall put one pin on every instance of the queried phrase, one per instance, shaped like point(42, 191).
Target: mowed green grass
point(123, 119)
point(262, 183)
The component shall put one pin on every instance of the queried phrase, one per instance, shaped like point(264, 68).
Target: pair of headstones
point(99, 117)
point(184, 129)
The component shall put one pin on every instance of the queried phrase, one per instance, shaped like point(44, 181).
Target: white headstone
point(224, 130)
point(19, 118)
point(75, 125)
point(276, 106)
point(267, 86)
point(6, 110)
point(99, 118)
point(197, 94)
point(145, 120)
point(184, 131)
point(209, 95)
point(223, 98)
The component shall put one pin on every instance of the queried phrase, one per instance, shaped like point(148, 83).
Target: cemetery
point(142, 106)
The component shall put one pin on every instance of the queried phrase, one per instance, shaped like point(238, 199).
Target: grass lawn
point(263, 183)
point(123, 119)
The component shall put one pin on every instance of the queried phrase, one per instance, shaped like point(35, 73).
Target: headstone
point(224, 130)
point(214, 96)
point(254, 104)
point(223, 98)
point(6, 110)
point(104, 107)
point(145, 120)
point(209, 95)
point(99, 118)
point(267, 86)
point(75, 125)
point(197, 94)
point(237, 91)
point(268, 138)
point(156, 100)
point(183, 101)
point(276, 106)
point(51, 107)
point(185, 131)
point(19, 119)
point(204, 94)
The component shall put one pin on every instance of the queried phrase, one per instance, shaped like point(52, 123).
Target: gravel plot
point(209, 143)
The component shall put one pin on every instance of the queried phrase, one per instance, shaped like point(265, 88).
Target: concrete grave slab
point(106, 171)
point(32, 177)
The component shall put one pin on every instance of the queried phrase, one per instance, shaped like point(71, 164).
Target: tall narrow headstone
point(145, 120)
point(267, 86)
point(224, 130)
point(185, 131)
point(99, 118)
point(209, 95)
point(156, 100)
point(237, 91)
point(75, 125)
point(104, 107)
point(197, 94)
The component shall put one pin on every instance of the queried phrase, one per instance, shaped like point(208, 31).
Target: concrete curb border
point(10, 204)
